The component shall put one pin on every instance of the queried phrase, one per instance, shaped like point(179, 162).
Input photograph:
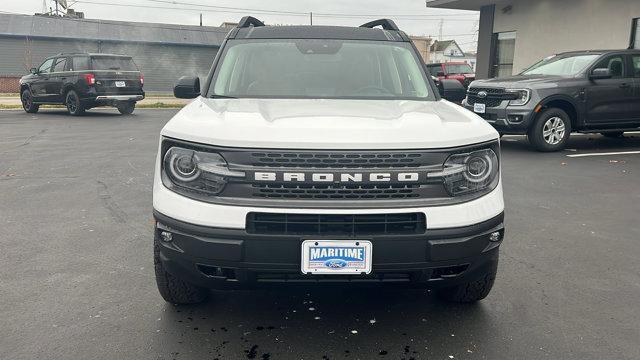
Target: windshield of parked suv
point(561, 65)
point(459, 69)
point(312, 68)
point(113, 63)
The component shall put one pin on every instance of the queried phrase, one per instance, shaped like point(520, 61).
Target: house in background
point(423, 44)
point(515, 34)
point(450, 51)
point(445, 51)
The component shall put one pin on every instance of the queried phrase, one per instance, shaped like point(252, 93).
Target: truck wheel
point(472, 291)
point(612, 134)
point(27, 102)
point(171, 288)
point(126, 108)
point(74, 105)
point(551, 130)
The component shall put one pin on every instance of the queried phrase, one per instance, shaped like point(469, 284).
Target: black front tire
point(27, 102)
point(612, 134)
point(126, 108)
point(172, 289)
point(551, 130)
point(471, 291)
point(75, 107)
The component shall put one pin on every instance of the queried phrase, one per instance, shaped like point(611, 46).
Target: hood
point(328, 124)
point(519, 81)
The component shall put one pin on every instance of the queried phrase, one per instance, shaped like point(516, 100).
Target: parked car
point(82, 81)
point(579, 91)
point(460, 71)
point(324, 154)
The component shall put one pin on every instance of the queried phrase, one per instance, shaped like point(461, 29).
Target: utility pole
point(56, 7)
point(311, 18)
point(200, 19)
point(440, 29)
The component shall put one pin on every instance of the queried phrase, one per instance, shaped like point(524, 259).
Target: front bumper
point(510, 120)
point(229, 258)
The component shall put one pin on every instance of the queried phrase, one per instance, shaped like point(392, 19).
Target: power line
point(236, 10)
point(227, 7)
point(174, 2)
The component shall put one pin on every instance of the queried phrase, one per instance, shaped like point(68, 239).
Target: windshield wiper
point(215, 96)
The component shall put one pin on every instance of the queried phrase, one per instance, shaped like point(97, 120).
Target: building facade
point(423, 45)
point(515, 34)
point(163, 52)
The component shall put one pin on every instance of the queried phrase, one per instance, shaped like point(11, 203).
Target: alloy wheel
point(72, 105)
point(553, 130)
point(26, 100)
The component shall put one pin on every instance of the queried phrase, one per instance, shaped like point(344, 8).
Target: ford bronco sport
point(321, 154)
point(82, 81)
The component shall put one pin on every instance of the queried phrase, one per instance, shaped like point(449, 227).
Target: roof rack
point(248, 21)
point(387, 24)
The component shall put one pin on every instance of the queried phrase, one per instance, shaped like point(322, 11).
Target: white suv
point(320, 154)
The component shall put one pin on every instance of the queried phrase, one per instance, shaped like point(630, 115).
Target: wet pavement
point(76, 270)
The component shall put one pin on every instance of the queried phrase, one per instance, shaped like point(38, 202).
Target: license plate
point(120, 84)
point(479, 108)
point(339, 257)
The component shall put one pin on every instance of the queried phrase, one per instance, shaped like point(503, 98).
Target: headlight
point(192, 171)
point(520, 96)
point(469, 172)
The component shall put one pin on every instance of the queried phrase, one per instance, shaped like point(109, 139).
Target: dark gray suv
point(582, 91)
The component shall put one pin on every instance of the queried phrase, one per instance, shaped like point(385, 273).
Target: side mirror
point(452, 90)
point(600, 73)
point(440, 73)
point(187, 88)
point(33, 71)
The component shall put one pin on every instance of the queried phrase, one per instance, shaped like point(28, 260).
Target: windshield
point(311, 68)
point(459, 69)
point(562, 65)
point(113, 63)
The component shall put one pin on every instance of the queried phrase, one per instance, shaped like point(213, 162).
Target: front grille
point(495, 96)
point(337, 159)
point(329, 192)
point(340, 225)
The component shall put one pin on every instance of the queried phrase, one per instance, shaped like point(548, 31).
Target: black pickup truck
point(82, 81)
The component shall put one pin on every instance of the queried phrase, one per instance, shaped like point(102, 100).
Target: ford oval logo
point(335, 263)
point(482, 94)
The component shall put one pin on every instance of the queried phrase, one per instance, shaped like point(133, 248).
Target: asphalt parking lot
point(76, 269)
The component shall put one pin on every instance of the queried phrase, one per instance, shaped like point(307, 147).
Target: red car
point(460, 71)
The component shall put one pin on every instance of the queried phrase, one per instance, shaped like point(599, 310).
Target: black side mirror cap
point(600, 73)
point(187, 87)
point(452, 90)
point(33, 71)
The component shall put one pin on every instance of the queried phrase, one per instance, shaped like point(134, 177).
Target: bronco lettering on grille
point(338, 177)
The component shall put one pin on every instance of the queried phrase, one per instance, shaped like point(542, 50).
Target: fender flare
point(579, 110)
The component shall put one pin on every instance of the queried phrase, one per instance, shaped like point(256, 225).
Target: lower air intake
point(338, 225)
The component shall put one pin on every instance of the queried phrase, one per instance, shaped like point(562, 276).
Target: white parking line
point(605, 153)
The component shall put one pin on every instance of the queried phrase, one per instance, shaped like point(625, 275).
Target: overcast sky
point(411, 15)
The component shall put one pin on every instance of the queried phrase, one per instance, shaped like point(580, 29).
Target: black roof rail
point(386, 24)
point(249, 21)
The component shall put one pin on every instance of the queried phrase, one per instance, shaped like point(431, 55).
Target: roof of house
point(442, 45)
point(108, 30)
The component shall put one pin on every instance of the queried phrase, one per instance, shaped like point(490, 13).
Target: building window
point(635, 34)
point(504, 47)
